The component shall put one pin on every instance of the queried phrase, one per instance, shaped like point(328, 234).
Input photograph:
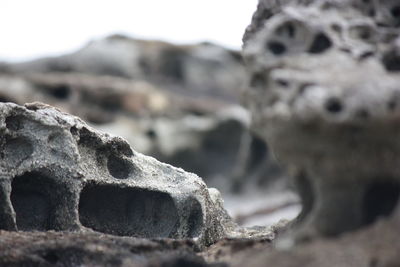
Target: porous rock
point(57, 173)
point(324, 93)
point(199, 133)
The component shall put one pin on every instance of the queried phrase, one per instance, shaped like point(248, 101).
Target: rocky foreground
point(323, 93)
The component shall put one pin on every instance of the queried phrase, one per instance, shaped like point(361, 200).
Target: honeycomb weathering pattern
point(324, 93)
point(57, 173)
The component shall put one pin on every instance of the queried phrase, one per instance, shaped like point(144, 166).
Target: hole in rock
point(51, 257)
point(364, 32)
point(282, 83)
point(195, 219)
point(333, 105)
point(337, 28)
point(118, 167)
point(366, 55)
point(151, 133)
point(395, 12)
point(380, 200)
point(61, 91)
point(30, 198)
point(127, 211)
point(15, 122)
point(320, 44)
point(391, 61)
point(276, 48)
point(74, 131)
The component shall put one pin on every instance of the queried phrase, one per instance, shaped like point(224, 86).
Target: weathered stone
point(199, 69)
point(92, 249)
point(203, 135)
point(57, 173)
point(324, 94)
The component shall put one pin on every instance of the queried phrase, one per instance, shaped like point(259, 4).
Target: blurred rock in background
point(179, 104)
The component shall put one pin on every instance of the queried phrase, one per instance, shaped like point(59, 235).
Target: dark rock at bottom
point(93, 249)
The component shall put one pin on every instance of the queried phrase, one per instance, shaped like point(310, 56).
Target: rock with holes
point(325, 94)
point(203, 135)
point(57, 173)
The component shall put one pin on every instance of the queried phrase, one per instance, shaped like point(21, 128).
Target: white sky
point(35, 28)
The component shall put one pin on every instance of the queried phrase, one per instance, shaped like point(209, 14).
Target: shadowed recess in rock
point(195, 219)
point(60, 91)
point(31, 201)
point(118, 167)
point(127, 211)
point(14, 122)
point(380, 200)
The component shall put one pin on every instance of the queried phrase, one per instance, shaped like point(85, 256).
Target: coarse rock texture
point(93, 249)
point(57, 173)
point(324, 93)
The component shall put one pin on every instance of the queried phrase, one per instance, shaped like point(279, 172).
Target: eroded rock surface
point(324, 93)
point(204, 135)
point(57, 173)
point(130, 88)
point(92, 249)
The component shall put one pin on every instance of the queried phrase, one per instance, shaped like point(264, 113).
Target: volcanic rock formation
point(57, 173)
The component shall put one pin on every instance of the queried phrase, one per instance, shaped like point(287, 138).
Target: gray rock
point(199, 69)
point(203, 135)
point(376, 245)
point(57, 173)
point(92, 249)
point(324, 94)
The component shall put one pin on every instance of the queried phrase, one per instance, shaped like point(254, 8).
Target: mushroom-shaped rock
point(324, 93)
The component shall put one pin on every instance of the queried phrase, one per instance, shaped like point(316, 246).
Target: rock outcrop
point(324, 93)
point(57, 173)
point(199, 69)
point(127, 87)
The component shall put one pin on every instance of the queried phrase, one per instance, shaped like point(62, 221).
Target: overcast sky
point(35, 28)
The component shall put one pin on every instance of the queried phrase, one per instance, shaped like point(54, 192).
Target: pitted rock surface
point(57, 173)
point(325, 94)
